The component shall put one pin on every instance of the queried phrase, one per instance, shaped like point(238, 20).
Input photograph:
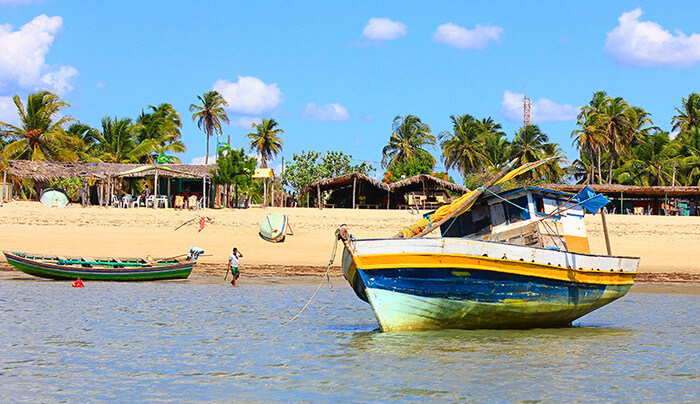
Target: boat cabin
point(528, 216)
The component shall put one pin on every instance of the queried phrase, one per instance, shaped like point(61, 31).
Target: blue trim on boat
point(478, 285)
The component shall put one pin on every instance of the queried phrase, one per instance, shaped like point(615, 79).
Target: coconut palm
point(209, 115)
point(689, 142)
point(408, 140)
point(159, 121)
point(528, 144)
point(688, 115)
point(652, 162)
point(615, 120)
point(463, 148)
point(92, 139)
point(40, 135)
point(266, 140)
point(120, 144)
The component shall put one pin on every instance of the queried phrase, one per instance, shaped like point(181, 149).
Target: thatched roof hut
point(629, 189)
point(46, 171)
point(350, 191)
point(642, 199)
point(422, 181)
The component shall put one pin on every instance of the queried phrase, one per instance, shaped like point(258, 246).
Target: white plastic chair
point(162, 199)
point(116, 202)
point(150, 201)
point(137, 202)
point(126, 201)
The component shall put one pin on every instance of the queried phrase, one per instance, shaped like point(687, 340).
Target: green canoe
point(102, 269)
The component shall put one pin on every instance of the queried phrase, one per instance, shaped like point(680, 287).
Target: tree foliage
point(311, 166)
point(210, 115)
point(266, 140)
point(234, 168)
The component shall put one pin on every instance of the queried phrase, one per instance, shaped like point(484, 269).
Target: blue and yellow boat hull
point(437, 283)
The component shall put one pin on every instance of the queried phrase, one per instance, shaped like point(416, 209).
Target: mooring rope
point(326, 277)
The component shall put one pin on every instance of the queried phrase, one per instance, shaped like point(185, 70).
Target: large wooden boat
point(516, 259)
point(102, 269)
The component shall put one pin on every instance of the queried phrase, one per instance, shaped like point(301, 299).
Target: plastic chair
point(150, 201)
point(116, 202)
point(137, 202)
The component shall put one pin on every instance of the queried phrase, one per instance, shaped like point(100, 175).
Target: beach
point(665, 244)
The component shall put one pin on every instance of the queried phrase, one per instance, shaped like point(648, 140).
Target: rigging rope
point(326, 277)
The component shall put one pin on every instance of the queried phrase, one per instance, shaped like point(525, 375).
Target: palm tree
point(210, 115)
point(688, 115)
point(552, 171)
point(159, 121)
point(409, 137)
point(266, 140)
point(616, 122)
point(91, 137)
point(464, 147)
point(590, 139)
point(528, 144)
point(40, 136)
point(689, 142)
point(652, 162)
point(119, 145)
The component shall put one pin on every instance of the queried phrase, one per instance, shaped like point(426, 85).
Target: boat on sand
point(514, 259)
point(61, 267)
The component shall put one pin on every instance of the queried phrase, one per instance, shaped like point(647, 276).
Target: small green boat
point(103, 269)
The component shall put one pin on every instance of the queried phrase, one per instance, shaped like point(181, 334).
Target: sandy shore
point(667, 245)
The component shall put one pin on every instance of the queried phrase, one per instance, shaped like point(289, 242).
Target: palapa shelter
point(352, 190)
point(650, 200)
point(99, 178)
point(356, 190)
point(424, 191)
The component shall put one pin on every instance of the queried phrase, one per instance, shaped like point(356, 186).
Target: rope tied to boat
point(326, 277)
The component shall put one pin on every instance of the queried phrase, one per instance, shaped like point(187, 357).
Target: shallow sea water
point(180, 341)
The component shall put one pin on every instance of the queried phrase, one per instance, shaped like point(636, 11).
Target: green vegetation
point(234, 168)
point(306, 168)
point(616, 142)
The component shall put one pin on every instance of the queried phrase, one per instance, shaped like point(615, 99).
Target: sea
point(180, 341)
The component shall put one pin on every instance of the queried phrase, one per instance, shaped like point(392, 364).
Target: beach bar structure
point(642, 200)
point(99, 179)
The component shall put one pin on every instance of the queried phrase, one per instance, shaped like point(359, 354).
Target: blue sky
point(334, 74)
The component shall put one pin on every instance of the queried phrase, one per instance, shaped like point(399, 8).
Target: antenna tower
point(526, 109)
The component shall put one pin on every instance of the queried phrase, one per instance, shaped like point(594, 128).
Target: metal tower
point(526, 109)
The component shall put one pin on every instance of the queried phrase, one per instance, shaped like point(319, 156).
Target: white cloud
point(199, 161)
point(646, 43)
point(100, 85)
point(542, 110)
point(245, 121)
point(8, 111)
point(384, 29)
point(60, 80)
point(22, 60)
point(462, 38)
point(250, 95)
point(326, 112)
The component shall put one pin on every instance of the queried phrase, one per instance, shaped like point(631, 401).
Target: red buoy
point(78, 283)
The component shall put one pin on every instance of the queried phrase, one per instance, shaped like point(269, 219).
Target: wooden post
point(388, 198)
point(264, 192)
point(318, 196)
point(272, 192)
point(622, 204)
point(605, 231)
point(155, 189)
point(204, 192)
point(354, 185)
point(308, 197)
point(4, 185)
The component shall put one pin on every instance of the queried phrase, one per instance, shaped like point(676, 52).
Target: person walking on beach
point(233, 264)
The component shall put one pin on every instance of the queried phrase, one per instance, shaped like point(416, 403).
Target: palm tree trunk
point(600, 175)
point(206, 159)
point(612, 160)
